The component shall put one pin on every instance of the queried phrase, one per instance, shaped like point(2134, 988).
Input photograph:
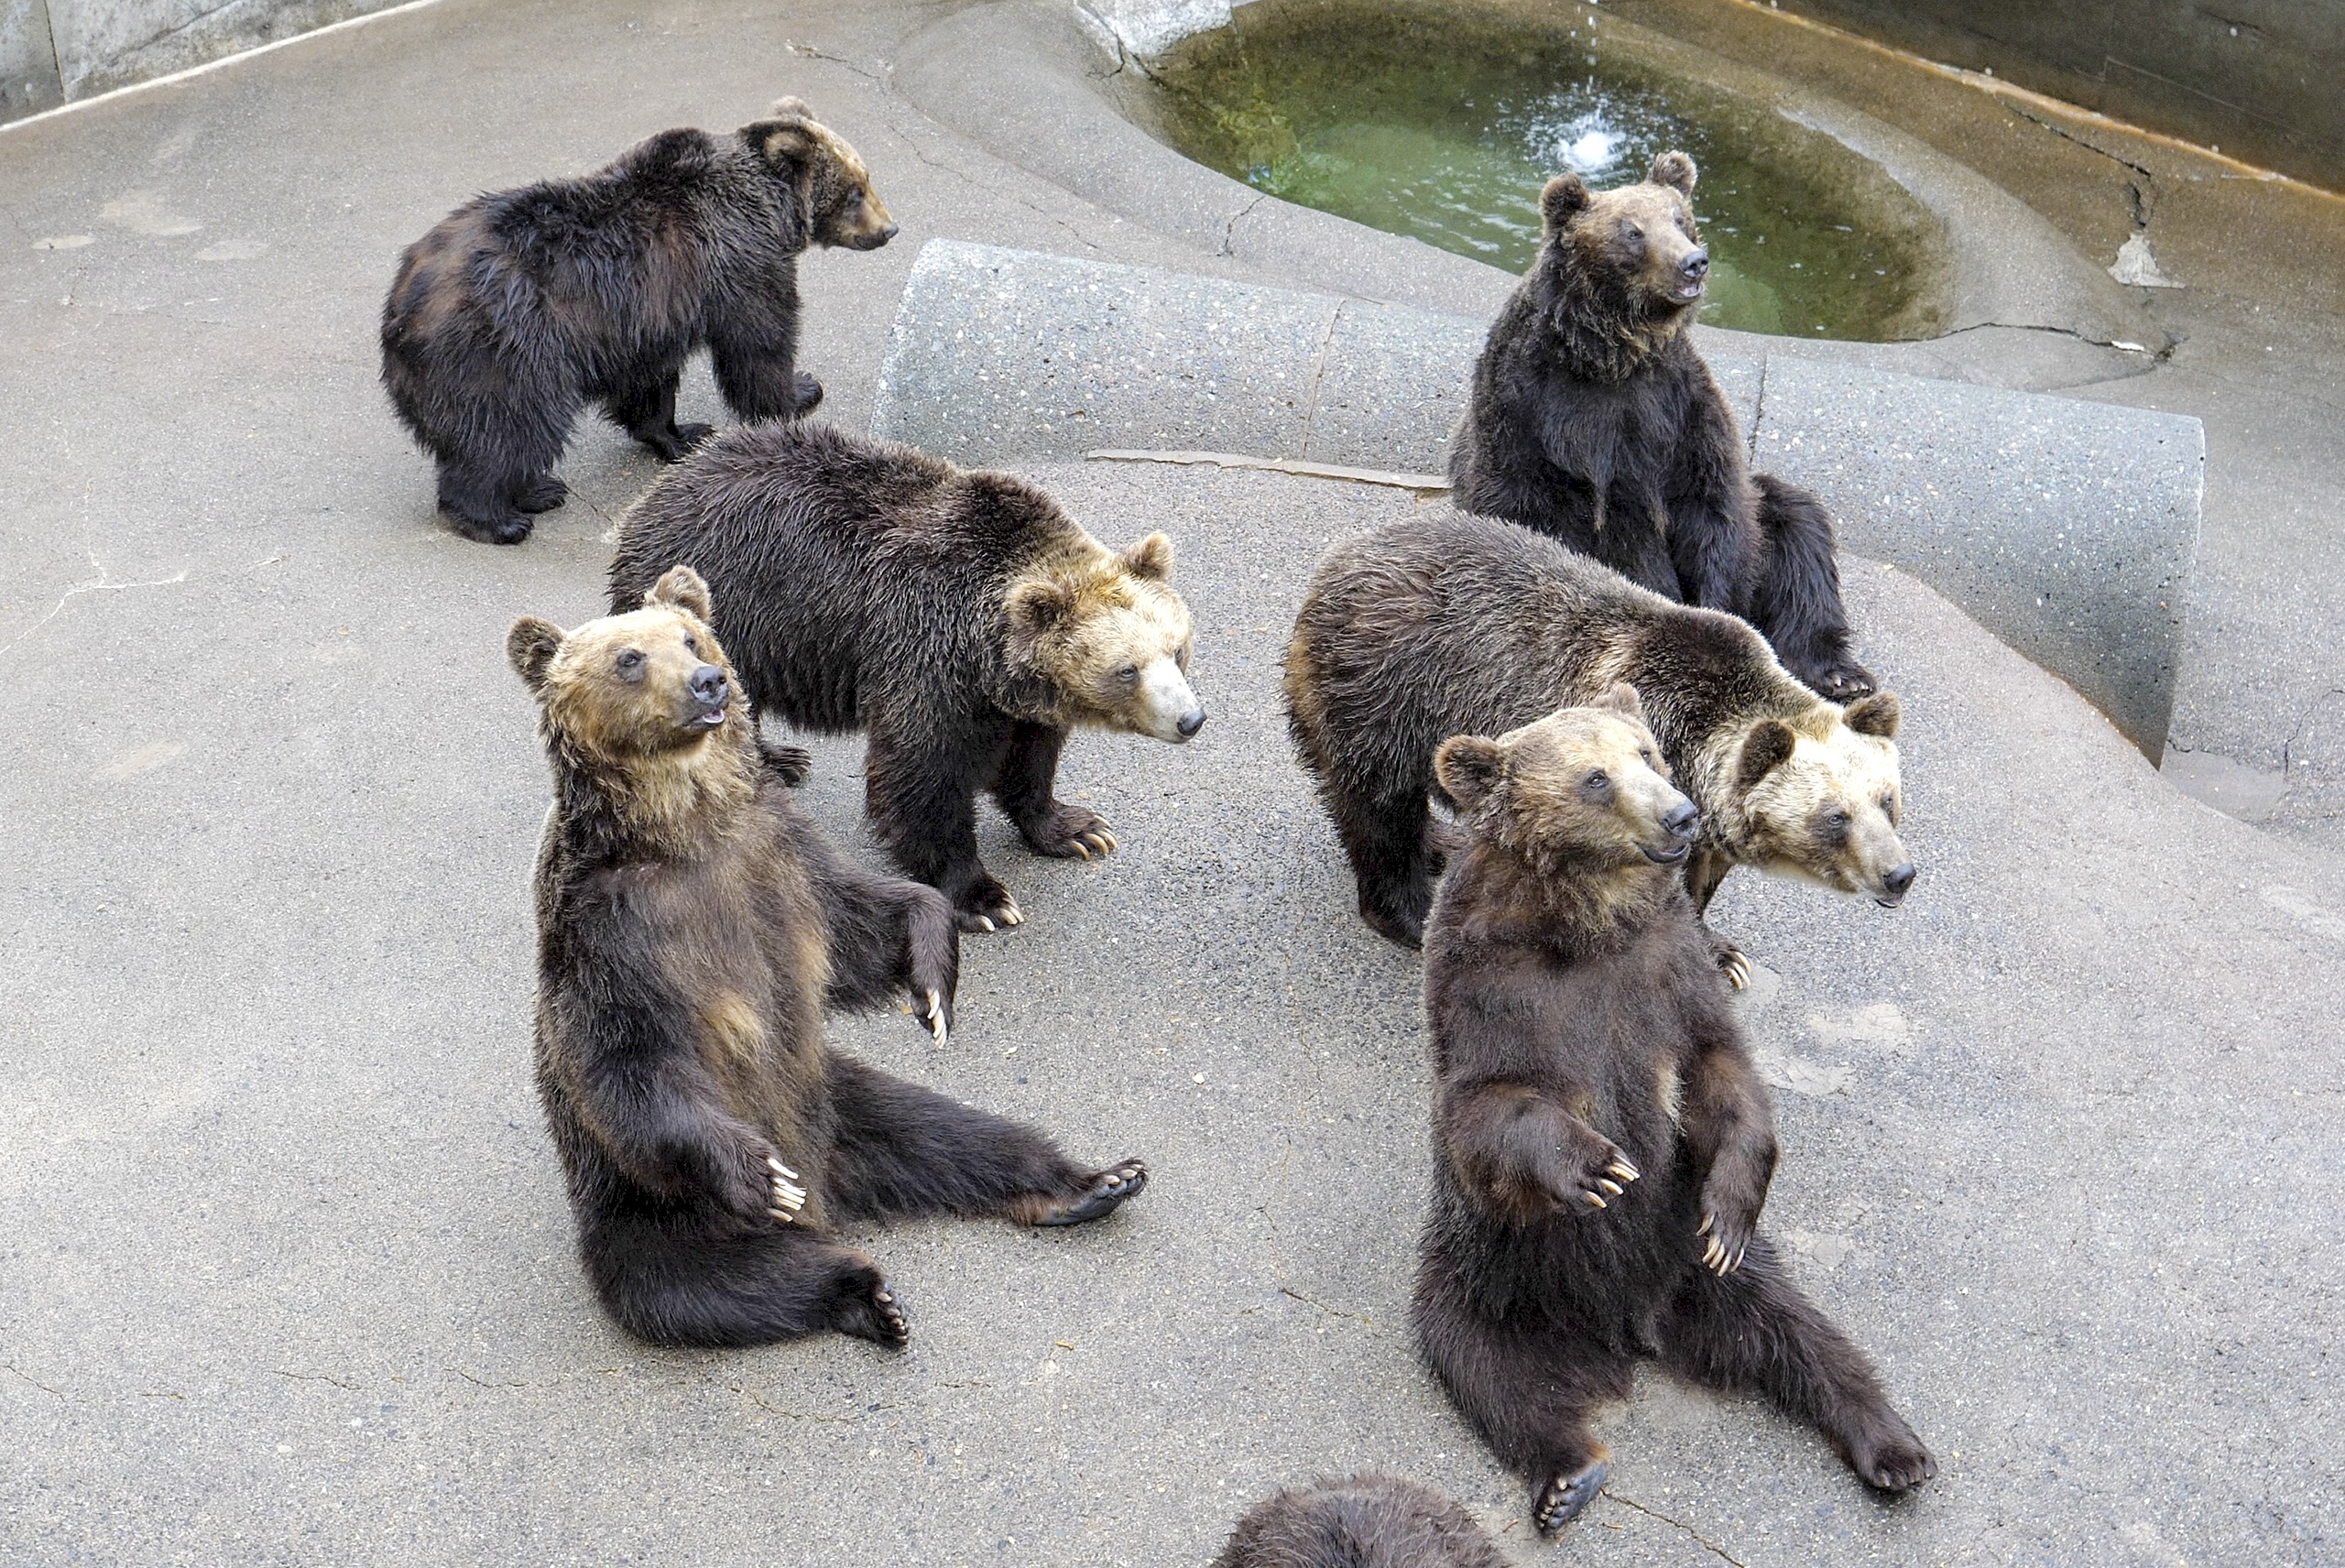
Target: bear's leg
point(739, 1289)
point(1029, 769)
point(643, 403)
point(540, 493)
point(753, 349)
point(903, 1151)
point(1390, 840)
point(1527, 1388)
point(922, 801)
point(477, 496)
point(885, 935)
point(1753, 1332)
point(1704, 870)
point(1795, 595)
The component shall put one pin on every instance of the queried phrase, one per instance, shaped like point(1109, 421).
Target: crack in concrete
point(2133, 188)
point(1319, 373)
point(1290, 1291)
point(875, 74)
point(1229, 229)
point(1707, 1543)
point(1758, 411)
point(956, 170)
point(2161, 356)
point(2287, 746)
point(30, 1379)
point(316, 1378)
point(97, 584)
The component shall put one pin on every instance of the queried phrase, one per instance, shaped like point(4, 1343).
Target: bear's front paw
point(1724, 1236)
point(1561, 1500)
point(1838, 678)
point(1588, 1179)
point(1887, 1455)
point(805, 393)
point(784, 1196)
point(1730, 962)
point(867, 1309)
point(1107, 1190)
point(987, 907)
point(511, 528)
point(791, 764)
point(542, 492)
point(1069, 833)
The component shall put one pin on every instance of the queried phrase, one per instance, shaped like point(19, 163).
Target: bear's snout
point(1682, 819)
point(1895, 882)
point(1190, 723)
point(1692, 270)
point(709, 690)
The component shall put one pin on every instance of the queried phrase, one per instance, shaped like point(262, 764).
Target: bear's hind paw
point(987, 907)
point(1561, 1500)
point(1070, 833)
point(867, 1309)
point(1891, 1458)
point(1109, 1189)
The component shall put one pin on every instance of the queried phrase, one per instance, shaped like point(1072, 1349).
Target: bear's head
point(643, 701)
point(1824, 800)
point(1583, 788)
point(833, 189)
point(1104, 638)
point(1625, 260)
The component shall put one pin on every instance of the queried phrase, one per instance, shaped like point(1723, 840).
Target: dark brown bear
point(1593, 419)
point(1453, 624)
point(1368, 1521)
point(960, 619)
point(521, 306)
point(691, 928)
point(1602, 1143)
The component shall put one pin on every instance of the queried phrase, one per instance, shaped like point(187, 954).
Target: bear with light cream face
point(960, 619)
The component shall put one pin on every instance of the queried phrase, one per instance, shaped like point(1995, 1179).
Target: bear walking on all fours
point(1467, 626)
point(691, 928)
point(521, 306)
point(1592, 418)
point(960, 619)
point(1602, 1142)
point(1370, 1520)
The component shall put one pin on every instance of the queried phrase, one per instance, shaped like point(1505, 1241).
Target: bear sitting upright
point(962, 618)
point(521, 305)
point(1602, 1142)
point(692, 927)
point(1593, 419)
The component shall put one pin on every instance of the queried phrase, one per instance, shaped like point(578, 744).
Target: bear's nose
point(1898, 881)
point(708, 686)
point(887, 234)
point(1682, 820)
point(1190, 723)
point(1697, 264)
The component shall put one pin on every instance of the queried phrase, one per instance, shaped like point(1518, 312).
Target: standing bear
point(1602, 1142)
point(522, 305)
point(691, 928)
point(1592, 418)
point(1418, 631)
point(960, 619)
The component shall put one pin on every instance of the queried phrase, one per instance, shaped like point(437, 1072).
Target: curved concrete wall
point(59, 51)
point(2066, 528)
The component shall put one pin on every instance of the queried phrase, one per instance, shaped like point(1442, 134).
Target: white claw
point(785, 1169)
point(984, 923)
point(1704, 1229)
point(1593, 1199)
point(1611, 1188)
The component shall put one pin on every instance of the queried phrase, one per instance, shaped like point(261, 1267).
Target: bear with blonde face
point(693, 930)
point(1603, 1143)
point(522, 305)
point(960, 619)
point(1462, 624)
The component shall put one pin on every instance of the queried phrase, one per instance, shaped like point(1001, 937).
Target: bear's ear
point(531, 645)
point(1037, 604)
point(1469, 768)
point(1766, 748)
point(1151, 558)
point(1564, 197)
point(786, 143)
point(791, 109)
point(681, 588)
point(1876, 715)
point(1673, 169)
point(1623, 700)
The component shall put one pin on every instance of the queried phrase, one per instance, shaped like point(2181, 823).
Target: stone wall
point(59, 51)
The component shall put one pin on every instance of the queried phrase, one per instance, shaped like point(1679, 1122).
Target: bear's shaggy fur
point(1370, 1520)
point(522, 305)
point(1602, 1143)
point(1459, 625)
point(1592, 418)
point(960, 619)
point(691, 928)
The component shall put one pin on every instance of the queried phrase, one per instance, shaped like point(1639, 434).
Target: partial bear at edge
point(1368, 1520)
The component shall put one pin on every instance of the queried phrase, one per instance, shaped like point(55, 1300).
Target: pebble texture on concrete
point(2069, 528)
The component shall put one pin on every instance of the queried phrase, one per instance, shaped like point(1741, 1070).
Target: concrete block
point(29, 79)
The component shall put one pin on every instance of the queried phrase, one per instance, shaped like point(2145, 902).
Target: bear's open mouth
point(706, 719)
point(1669, 856)
point(1689, 291)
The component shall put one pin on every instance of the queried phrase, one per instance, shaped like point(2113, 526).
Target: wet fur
point(1460, 624)
point(960, 619)
point(522, 306)
point(1579, 1029)
point(1368, 1520)
point(692, 927)
point(1593, 419)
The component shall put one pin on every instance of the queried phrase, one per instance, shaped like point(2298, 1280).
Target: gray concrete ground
point(288, 1275)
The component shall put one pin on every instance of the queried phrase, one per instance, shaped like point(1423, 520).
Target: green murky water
point(1442, 122)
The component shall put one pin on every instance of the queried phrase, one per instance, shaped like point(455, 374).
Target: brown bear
point(691, 929)
point(1602, 1142)
point(1370, 1520)
point(1593, 419)
point(521, 305)
point(1459, 625)
point(962, 619)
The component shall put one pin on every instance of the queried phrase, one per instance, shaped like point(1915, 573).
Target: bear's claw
point(935, 1019)
point(789, 1197)
point(1562, 1499)
point(1108, 1189)
point(869, 1311)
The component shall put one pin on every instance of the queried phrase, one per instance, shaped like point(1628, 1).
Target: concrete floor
point(288, 1275)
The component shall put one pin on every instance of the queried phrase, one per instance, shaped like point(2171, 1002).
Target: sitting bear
point(691, 928)
point(521, 305)
point(1593, 419)
point(1368, 1521)
point(1457, 625)
point(1602, 1142)
point(960, 619)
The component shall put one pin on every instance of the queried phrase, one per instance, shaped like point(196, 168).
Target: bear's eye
point(1836, 818)
point(1598, 780)
point(1645, 753)
point(1632, 232)
point(630, 663)
point(691, 643)
point(1889, 807)
point(1128, 674)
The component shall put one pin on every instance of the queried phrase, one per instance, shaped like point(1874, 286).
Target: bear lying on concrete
point(960, 619)
point(521, 305)
point(1368, 1521)
point(691, 928)
point(1592, 418)
point(1602, 1142)
point(1456, 625)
